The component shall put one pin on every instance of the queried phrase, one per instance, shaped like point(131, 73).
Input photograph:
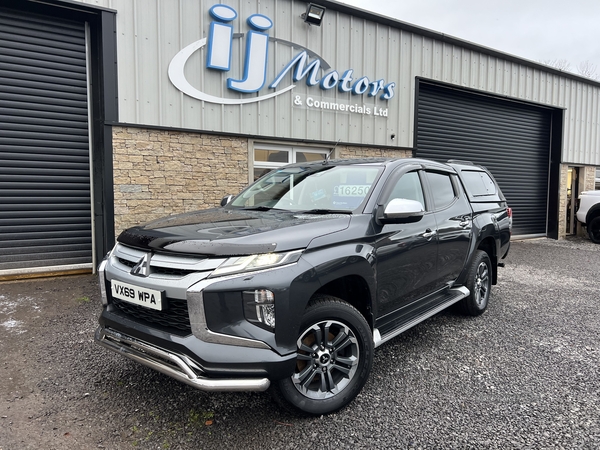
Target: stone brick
point(121, 181)
point(141, 180)
point(129, 187)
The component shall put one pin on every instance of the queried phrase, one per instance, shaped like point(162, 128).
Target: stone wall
point(587, 177)
point(344, 152)
point(159, 172)
point(562, 201)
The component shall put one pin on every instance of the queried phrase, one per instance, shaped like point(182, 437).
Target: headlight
point(239, 264)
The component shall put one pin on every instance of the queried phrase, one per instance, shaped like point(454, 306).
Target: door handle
point(464, 223)
point(429, 234)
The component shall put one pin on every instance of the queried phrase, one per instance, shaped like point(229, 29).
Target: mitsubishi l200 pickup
point(293, 283)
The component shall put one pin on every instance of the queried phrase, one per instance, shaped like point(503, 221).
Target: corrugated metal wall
point(152, 32)
point(45, 204)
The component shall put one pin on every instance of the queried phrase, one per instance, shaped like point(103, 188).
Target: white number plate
point(150, 298)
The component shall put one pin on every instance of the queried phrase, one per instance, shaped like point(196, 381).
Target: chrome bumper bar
point(174, 365)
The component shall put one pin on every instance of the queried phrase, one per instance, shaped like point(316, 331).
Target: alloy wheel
point(328, 356)
point(482, 284)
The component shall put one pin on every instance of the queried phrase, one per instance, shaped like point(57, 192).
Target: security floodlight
point(314, 14)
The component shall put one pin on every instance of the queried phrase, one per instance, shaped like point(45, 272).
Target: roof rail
point(460, 161)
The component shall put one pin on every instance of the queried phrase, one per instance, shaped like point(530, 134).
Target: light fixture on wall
point(314, 14)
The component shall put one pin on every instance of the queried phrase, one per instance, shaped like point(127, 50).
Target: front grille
point(175, 316)
point(126, 262)
point(172, 271)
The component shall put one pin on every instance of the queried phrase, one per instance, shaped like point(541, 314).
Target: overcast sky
point(537, 30)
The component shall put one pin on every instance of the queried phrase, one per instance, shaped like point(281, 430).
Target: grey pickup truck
point(293, 283)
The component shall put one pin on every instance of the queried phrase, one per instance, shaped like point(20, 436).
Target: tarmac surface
point(524, 375)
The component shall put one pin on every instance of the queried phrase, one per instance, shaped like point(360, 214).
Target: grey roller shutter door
point(45, 204)
point(511, 139)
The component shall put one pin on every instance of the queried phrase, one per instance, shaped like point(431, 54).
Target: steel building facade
point(185, 101)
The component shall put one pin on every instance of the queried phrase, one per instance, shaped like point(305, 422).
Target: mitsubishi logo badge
point(142, 268)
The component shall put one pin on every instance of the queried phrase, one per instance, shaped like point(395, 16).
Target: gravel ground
point(524, 375)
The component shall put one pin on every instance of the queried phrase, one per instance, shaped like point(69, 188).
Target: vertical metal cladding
point(45, 217)
point(151, 33)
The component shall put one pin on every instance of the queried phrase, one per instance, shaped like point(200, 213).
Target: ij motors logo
point(306, 65)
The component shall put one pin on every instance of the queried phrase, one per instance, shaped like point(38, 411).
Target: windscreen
point(314, 187)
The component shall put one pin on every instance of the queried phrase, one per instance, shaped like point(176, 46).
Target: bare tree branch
point(560, 64)
point(588, 69)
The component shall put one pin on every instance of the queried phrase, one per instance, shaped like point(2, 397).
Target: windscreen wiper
point(327, 211)
point(258, 208)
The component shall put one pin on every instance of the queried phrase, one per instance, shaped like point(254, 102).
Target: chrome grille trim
point(164, 264)
point(198, 316)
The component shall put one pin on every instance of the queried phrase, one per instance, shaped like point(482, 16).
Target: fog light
point(266, 314)
point(259, 307)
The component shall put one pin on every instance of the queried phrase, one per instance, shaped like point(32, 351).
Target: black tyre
point(593, 229)
point(335, 356)
point(479, 282)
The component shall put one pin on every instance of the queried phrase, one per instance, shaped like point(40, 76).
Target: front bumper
point(219, 349)
point(175, 365)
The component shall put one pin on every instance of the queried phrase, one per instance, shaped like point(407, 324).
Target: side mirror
point(226, 199)
point(401, 210)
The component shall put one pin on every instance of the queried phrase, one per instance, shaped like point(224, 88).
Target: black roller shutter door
point(45, 205)
point(511, 139)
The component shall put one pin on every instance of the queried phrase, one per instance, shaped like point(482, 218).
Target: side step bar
point(454, 295)
point(174, 365)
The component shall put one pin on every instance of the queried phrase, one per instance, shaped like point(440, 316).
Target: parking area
point(526, 374)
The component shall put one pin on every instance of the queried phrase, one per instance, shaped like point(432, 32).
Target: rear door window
point(442, 189)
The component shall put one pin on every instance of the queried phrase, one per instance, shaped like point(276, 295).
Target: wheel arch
point(353, 289)
point(489, 246)
point(592, 213)
point(346, 272)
